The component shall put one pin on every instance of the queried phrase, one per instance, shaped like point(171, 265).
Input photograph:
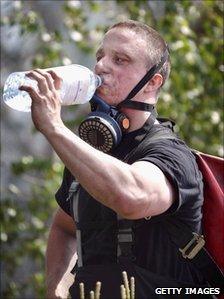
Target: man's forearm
point(60, 259)
point(103, 176)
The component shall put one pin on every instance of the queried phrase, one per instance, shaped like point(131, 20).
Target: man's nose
point(103, 66)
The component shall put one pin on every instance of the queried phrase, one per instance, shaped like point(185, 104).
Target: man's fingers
point(41, 80)
point(46, 80)
point(32, 92)
point(48, 77)
point(56, 78)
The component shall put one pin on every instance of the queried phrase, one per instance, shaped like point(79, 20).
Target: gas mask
point(104, 127)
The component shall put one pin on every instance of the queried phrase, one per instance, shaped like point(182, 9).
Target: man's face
point(121, 60)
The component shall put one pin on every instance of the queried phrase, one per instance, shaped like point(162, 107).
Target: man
point(161, 182)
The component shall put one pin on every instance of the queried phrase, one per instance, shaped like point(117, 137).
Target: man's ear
point(154, 83)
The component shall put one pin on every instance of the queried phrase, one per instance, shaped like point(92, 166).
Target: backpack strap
point(125, 241)
point(192, 247)
point(74, 191)
point(165, 132)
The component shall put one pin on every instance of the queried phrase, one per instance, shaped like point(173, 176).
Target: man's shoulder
point(168, 152)
point(163, 140)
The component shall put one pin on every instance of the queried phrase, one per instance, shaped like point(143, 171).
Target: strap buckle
point(193, 246)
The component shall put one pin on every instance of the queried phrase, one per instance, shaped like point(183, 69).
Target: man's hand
point(46, 101)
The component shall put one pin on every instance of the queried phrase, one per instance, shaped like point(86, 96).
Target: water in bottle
point(77, 87)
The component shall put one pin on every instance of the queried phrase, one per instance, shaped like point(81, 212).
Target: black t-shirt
point(153, 247)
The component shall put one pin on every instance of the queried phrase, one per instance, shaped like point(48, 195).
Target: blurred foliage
point(193, 97)
point(25, 222)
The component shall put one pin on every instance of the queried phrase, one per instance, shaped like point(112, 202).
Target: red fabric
point(212, 169)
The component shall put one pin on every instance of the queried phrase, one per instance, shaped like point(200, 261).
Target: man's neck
point(137, 118)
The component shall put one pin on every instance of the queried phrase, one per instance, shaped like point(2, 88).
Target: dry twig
point(97, 290)
point(126, 284)
point(82, 290)
point(123, 292)
point(126, 292)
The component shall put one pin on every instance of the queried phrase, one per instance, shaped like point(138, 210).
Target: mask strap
point(153, 70)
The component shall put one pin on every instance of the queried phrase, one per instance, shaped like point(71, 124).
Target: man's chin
point(106, 96)
point(103, 95)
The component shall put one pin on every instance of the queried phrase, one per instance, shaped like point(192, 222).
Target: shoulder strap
point(162, 133)
point(192, 247)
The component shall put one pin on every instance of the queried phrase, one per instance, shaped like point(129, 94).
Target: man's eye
point(98, 58)
point(119, 60)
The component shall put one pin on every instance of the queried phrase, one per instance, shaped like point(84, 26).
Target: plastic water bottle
point(77, 87)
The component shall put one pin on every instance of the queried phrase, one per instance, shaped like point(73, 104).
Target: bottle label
point(76, 84)
point(74, 92)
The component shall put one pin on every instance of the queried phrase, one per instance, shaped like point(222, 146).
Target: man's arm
point(60, 256)
point(133, 191)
